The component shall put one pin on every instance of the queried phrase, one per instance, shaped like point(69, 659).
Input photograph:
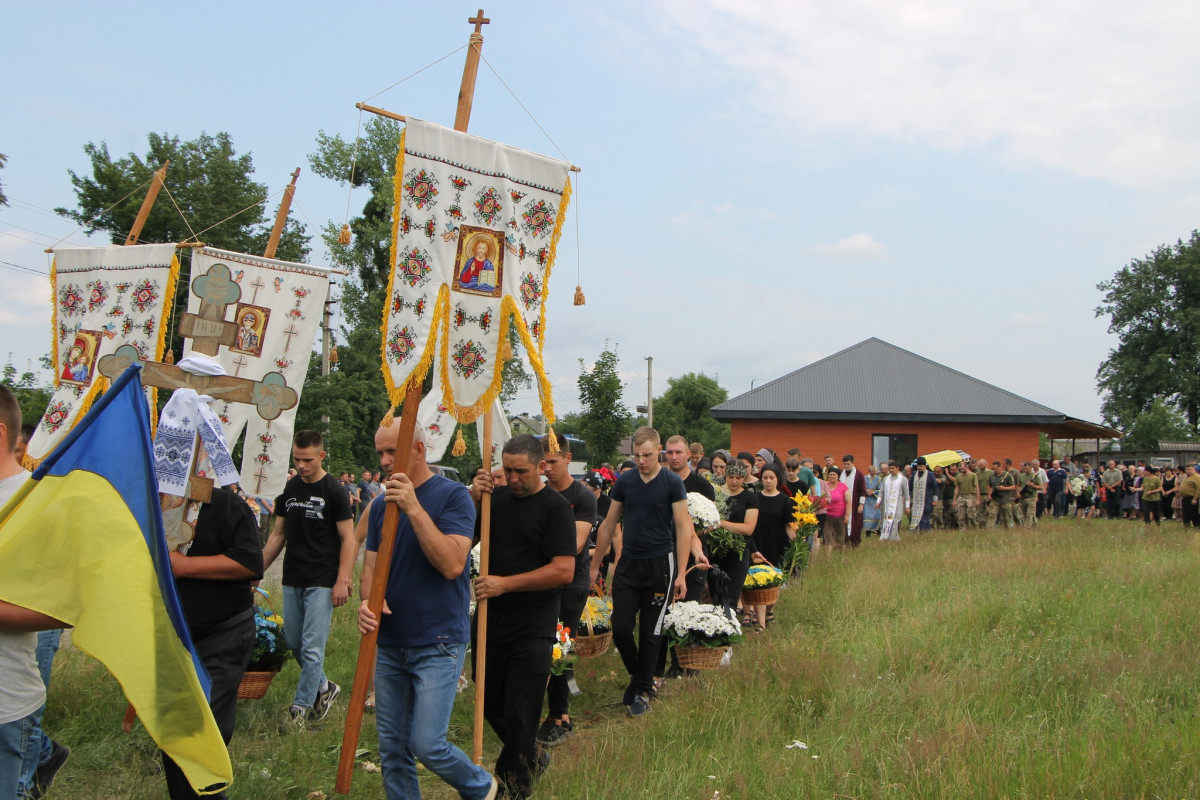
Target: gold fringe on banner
point(558, 229)
point(460, 446)
point(388, 418)
point(551, 439)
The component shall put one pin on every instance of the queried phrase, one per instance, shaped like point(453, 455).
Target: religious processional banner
point(103, 298)
point(439, 424)
point(474, 232)
point(277, 318)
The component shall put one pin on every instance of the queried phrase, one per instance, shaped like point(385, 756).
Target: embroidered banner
point(474, 231)
point(277, 318)
point(438, 422)
point(104, 297)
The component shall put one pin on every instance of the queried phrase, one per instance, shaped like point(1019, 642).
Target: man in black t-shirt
point(532, 556)
point(658, 536)
point(313, 520)
point(554, 729)
point(213, 580)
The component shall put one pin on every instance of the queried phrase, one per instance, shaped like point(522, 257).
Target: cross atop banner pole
point(391, 519)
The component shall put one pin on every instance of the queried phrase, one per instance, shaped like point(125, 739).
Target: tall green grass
point(1061, 663)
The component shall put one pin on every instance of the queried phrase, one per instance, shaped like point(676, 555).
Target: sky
point(764, 182)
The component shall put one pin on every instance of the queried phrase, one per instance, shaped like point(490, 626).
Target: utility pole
point(326, 343)
point(649, 391)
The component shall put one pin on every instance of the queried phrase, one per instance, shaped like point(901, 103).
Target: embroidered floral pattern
point(488, 205)
point(420, 187)
point(97, 294)
point(459, 182)
point(469, 358)
point(414, 267)
point(531, 290)
point(538, 218)
point(70, 301)
point(144, 295)
point(401, 344)
point(56, 415)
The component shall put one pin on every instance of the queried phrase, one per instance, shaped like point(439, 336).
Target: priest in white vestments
point(894, 503)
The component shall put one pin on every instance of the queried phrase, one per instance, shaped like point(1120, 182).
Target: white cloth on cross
point(278, 317)
point(186, 416)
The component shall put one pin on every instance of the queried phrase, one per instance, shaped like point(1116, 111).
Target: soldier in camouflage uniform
point(985, 511)
point(1028, 494)
point(1007, 484)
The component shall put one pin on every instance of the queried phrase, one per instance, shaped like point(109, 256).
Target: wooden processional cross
point(208, 330)
point(391, 519)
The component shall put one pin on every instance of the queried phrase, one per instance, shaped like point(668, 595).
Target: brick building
point(878, 401)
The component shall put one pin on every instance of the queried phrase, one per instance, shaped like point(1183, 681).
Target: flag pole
point(160, 175)
point(391, 518)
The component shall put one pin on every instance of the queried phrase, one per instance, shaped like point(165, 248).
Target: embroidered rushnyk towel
point(104, 297)
point(278, 317)
point(474, 231)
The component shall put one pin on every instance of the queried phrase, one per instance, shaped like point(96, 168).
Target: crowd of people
point(624, 530)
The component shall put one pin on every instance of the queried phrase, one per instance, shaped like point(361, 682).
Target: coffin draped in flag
point(277, 316)
point(103, 297)
point(474, 231)
point(82, 541)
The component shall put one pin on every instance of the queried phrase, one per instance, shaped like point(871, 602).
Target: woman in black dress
point(774, 530)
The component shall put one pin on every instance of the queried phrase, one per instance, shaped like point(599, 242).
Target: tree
point(605, 418)
point(353, 395)
point(207, 180)
point(683, 409)
point(1154, 308)
point(371, 162)
point(31, 395)
point(1158, 423)
point(212, 186)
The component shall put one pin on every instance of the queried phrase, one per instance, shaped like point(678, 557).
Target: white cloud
point(1102, 90)
point(860, 245)
point(1024, 319)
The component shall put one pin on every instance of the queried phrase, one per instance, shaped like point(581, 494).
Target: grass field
point(1057, 664)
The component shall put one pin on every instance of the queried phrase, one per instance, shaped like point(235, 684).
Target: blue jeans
point(15, 740)
point(306, 615)
point(40, 746)
point(414, 694)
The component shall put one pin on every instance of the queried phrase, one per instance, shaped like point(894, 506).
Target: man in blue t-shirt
point(424, 631)
point(658, 537)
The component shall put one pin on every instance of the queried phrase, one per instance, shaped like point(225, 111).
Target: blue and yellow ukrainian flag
point(83, 542)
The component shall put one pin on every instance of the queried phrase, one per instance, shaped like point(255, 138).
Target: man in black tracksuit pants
point(658, 537)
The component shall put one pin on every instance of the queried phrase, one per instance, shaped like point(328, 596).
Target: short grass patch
point(1060, 663)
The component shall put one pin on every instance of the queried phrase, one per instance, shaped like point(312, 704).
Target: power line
point(11, 265)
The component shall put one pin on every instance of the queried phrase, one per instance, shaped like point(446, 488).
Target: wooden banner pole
point(285, 205)
point(160, 175)
point(391, 518)
point(481, 609)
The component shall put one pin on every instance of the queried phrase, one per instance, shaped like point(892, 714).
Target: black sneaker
point(552, 734)
point(639, 706)
point(325, 700)
point(627, 700)
point(46, 771)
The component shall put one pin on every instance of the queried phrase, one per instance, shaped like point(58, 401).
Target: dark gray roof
point(879, 381)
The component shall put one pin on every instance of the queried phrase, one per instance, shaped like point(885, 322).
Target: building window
point(900, 446)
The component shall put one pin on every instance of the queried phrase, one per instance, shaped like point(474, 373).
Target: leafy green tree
point(683, 409)
point(32, 395)
point(1153, 305)
point(1160, 422)
point(605, 418)
point(370, 162)
point(353, 395)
